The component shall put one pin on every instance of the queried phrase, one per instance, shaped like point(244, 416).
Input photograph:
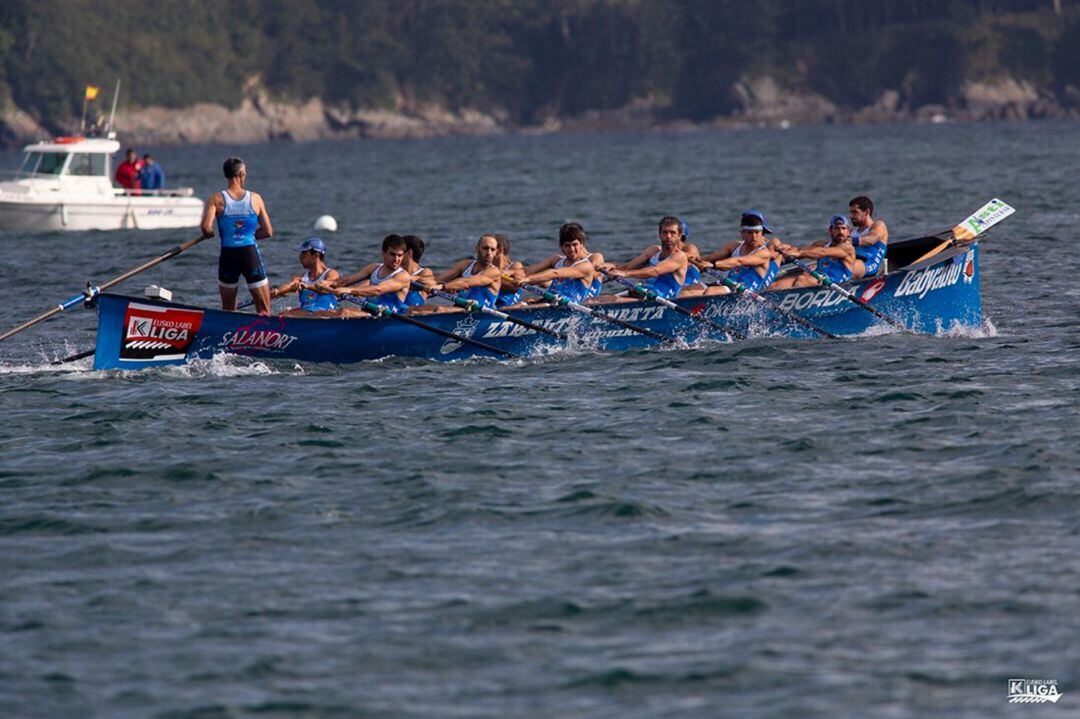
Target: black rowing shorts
point(236, 261)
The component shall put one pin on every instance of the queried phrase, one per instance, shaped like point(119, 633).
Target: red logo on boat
point(969, 267)
point(872, 289)
point(158, 333)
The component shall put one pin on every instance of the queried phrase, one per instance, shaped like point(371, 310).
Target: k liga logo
point(1033, 691)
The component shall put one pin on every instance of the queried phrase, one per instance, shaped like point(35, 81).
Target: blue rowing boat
point(932, 296)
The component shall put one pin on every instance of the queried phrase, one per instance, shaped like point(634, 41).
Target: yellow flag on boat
point(91, 92)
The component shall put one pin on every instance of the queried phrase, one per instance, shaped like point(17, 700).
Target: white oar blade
point(983, 219)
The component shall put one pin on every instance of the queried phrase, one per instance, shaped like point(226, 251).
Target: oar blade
point(982, 220)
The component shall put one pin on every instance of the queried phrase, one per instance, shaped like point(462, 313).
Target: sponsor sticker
point(969, 267)
point(465, 327)
point(872, 289)
point(1033, 691)
point(246, 339)
point(931, 279)
point(158, 333)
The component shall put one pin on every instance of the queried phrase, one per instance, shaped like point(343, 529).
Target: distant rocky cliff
point(763, 102)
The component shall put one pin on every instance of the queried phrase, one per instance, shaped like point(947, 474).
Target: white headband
point(752, 228)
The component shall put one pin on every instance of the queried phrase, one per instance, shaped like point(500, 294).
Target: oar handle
point(651, 294)
point(385, 313)
point(848, 294)
point(560, 301)
point(740, 288)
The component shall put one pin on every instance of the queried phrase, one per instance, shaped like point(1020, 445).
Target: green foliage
point(531, 58)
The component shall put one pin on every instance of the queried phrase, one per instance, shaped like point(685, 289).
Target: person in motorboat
point(151, 176)
point(476, 279)
point(751, 260)
point(241, 219)
point(509, 293)
point(313, 260)
point(414, 250)
point(127, 172)
point(570, 273)
point(663, 265)
point(870, 237)
point(835, 257)
point(383, 283)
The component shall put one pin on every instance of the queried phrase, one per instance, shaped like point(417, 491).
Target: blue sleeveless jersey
point(482, 295)
point(414, 298)
point(693, 275)
point(389, 300)
point(834, 269)
point(572, 289)
point(238, 221)
point(871, 255)
point(312, 301)
point(505, 299)
point(597, 286)
point(749, 277)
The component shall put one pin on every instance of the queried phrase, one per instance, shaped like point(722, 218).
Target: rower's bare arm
point(754, 259)
point(580, 271)
point(291, 286)
point(353, 278)
point(722, 254)
point(640, 261)
point(454, 271)
point(265, 229)
point(541, 266)
point(676, 262)
point(878, 233)
point(210, 214)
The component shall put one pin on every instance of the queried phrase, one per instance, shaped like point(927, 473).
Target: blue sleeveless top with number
point(572, 289)
point(749, 277)
point(664, 285)
point(238, 221)
point(414, 298)
point(481, 295)
point(871, 255)
point(834, 268)
point(311, 300)
point(389, 300)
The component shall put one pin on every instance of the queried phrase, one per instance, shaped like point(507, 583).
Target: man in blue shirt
point(151, 176)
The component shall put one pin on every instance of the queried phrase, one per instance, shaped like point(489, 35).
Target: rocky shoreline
point(763, 103)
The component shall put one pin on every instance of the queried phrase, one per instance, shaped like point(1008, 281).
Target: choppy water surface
point(881, 527)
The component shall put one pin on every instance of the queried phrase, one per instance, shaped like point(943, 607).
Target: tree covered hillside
point(528, 59)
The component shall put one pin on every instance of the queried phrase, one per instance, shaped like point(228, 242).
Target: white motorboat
point(65, 184)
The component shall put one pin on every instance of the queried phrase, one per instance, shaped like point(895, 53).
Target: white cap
point(326, 223)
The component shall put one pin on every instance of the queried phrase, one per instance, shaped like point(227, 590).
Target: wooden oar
point(848, 294)
point(979, 222)
point(560, 301)
point(383, 312)
point(474, 306)
point(651, 294)
point(740, 288)
point(90, 292)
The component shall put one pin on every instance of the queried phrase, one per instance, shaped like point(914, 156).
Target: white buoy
point(326, 223)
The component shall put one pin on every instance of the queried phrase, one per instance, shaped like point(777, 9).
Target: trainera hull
point(936, 296)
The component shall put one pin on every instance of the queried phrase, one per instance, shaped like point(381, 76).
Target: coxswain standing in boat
point(570, 273)
point(751, 260)
point(664, 265)
point(414, 250)
point(312, 303)
point(835, 257)
point(478, 280)
point(383, 283)
point(870, 237)
point(241, 218)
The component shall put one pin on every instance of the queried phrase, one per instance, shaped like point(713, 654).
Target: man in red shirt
point(127, 172)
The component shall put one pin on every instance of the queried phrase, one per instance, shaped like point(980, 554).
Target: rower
point(478, 279)
point(664, 265)
point(384, 283)
point(509, 293)
point(693, 284)
point(752, 258)
point(571, 272)
point(241, 218)
point(870, 237)
point(414, 250)
point(312, 303)
point(835, 257)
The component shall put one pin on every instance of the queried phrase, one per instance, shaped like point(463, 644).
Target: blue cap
point(313, 243)
point(839, 219)
point(685, 227)
point(761, 216)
